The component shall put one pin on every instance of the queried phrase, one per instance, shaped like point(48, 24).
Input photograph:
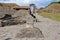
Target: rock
point(30, 33)
point(8, 39)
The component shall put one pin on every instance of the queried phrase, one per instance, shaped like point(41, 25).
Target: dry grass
point(54, 16)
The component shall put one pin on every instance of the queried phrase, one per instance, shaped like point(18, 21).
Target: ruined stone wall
point(23, 14)
point(6, 10)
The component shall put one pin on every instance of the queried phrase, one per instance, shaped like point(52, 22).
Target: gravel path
point(50, 28)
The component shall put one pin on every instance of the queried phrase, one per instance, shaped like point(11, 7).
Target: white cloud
point(25, 2)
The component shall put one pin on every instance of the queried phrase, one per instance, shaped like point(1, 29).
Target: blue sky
point(39, 3)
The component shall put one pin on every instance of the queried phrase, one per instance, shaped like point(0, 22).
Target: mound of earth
point(54, 7)
point(30, 33)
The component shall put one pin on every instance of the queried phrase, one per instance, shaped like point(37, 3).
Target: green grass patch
point(54, 3)
point(54, 16)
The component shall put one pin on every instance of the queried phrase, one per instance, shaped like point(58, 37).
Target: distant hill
point(54, 7)
point(7, 4)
